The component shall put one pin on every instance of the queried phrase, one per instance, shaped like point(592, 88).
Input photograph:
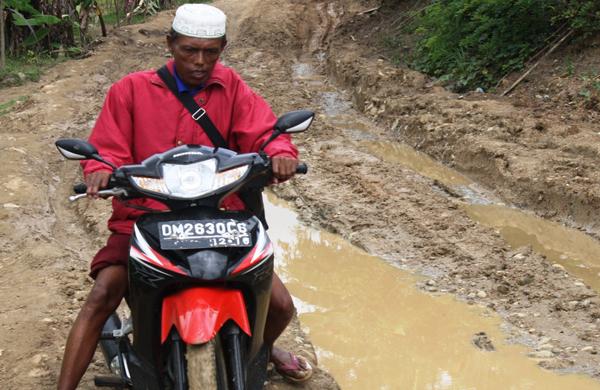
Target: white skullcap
point(200, 21)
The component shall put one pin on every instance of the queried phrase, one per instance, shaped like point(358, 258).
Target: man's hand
point(284, 168)
point(95, 181)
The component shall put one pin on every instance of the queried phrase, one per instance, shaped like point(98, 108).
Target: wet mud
point(373, 329)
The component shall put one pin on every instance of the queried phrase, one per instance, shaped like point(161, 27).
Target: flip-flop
point(297, 364)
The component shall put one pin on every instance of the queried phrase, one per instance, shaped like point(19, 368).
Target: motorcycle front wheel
point(202, 366)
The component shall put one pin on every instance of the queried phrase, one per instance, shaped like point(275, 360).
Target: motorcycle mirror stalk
point(292, 122)
point(77, 149)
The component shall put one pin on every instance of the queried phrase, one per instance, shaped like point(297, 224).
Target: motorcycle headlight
point(191, 180)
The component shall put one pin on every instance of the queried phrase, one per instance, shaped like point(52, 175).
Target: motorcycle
point(199, 276)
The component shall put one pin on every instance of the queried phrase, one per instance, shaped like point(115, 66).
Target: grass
point(7, 106)
point(19, 70)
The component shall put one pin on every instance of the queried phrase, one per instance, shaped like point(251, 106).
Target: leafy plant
point(474, 43)
point(570, 68)
point(36, 21)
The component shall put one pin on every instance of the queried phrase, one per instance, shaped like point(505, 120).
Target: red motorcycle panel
point(198, 313)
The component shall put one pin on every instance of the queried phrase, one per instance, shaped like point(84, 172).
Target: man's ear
point(170, 44)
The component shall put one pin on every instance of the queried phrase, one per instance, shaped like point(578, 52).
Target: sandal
point(298, 370)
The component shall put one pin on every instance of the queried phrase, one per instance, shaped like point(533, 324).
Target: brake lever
point(109, 192)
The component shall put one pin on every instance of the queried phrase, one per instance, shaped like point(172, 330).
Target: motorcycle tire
point(202, 366)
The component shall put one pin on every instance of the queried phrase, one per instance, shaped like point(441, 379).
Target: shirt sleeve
point(112, 133)
point(253, 122)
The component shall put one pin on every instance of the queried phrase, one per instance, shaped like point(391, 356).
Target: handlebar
point(81, 188)
point(302, 168)
point(108, 192)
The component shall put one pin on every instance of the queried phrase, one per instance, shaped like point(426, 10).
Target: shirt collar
point(182, 87)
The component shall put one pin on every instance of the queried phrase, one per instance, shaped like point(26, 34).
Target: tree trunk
point(2, 43)
point(117, 11)
point(100, 18)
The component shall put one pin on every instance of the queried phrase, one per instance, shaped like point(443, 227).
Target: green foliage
point(35, 20)
point(583, 16)
point(473, 43)
point(25, 15)
point(36, 40)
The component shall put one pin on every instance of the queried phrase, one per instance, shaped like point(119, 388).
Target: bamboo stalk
point(369, 11)
point(514, 85)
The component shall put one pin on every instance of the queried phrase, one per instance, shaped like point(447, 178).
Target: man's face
point(195, 58)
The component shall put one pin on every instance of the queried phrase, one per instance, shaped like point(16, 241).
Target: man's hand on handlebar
point(284, 168)
point(95, 181)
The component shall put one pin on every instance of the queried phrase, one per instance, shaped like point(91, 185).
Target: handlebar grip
point(80, 188)
point(302, 168)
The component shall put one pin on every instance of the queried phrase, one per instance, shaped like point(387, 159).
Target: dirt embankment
point(538, 148)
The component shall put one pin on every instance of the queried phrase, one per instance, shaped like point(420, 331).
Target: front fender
point(198, 313)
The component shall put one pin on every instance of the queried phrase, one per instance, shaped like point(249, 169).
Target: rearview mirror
point(294, 122)
point(76, 149)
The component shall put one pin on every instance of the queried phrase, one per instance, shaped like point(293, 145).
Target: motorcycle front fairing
point(150, 178)
point(167, 284)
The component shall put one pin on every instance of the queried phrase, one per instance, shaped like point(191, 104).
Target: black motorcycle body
point(199, 276)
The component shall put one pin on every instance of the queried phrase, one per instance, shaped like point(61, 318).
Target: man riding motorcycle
point(142, 117)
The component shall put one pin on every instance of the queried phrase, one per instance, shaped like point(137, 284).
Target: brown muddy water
point(418, 162)
point(373, 329)
point(574, 250)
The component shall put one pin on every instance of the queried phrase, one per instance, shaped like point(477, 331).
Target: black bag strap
point(198, 113)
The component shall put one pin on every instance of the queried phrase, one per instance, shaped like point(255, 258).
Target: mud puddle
point(577, 252)
point(374, 330)
point(417, 161)
point(332, 104)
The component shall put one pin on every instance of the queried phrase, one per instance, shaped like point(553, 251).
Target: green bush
point(473, 43)
point(583, 16)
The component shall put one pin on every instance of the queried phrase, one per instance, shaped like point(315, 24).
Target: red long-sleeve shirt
point(142, 117)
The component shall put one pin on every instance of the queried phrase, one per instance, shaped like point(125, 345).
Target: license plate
point(215, 233)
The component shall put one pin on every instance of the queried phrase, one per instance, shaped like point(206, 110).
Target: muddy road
point(312, 55)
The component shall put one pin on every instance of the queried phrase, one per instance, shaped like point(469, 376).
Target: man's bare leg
point(281, 311)
point(106, 295)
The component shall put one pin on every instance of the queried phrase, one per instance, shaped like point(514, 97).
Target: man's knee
point(282, 306)
point(108, 291)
